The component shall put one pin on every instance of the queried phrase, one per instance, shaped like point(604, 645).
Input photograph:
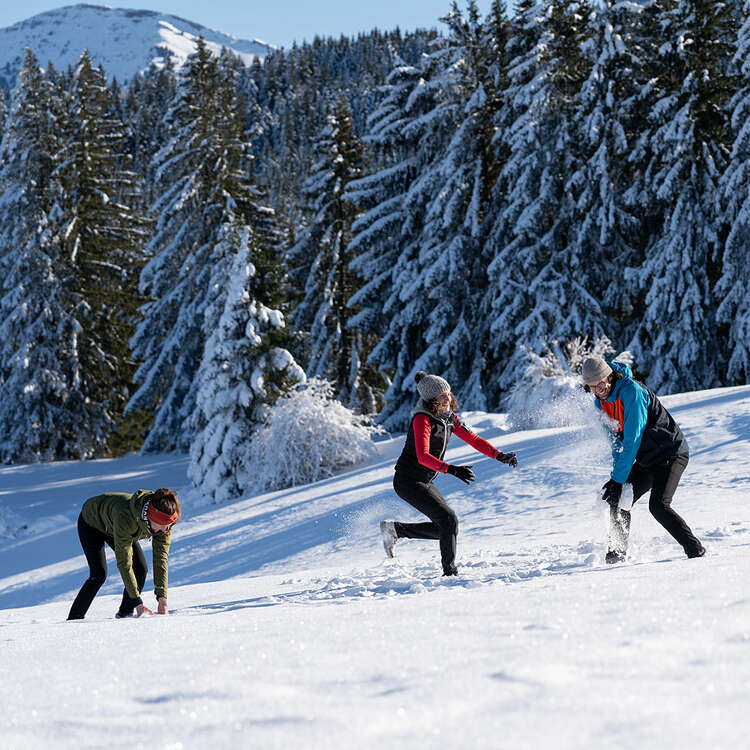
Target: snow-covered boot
point(388, 530)
point(614, 556)
point(619, 530)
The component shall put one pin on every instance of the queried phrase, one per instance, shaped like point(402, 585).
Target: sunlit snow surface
point(123, 41)
point(290, 629)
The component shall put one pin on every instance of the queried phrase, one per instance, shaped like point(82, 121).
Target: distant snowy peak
point(123, 41)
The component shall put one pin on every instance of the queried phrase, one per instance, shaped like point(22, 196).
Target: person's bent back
point(121, 520)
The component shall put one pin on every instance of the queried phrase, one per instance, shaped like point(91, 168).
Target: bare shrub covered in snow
point(549, 394)
point(308, 436)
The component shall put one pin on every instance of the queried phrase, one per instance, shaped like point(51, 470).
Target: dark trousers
point(662, 480)
point(443, 525)
point(93, 541)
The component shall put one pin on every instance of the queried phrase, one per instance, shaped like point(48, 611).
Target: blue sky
point(278, 22)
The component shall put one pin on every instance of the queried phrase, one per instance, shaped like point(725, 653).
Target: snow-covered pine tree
point(53, 403)
point(207, 210)
point(37, 330)
point(189, 175)
point(377, 243)
point(453, 195)
point(607, 230)
point(419, 239)
point(244, 367)
point(319, 267)
point(146, 102)
point(733, 288)
point(95, 193)
point(288, 96)
point(675, 342)
point(537, 275)
point(3, 112)
point(506, 300)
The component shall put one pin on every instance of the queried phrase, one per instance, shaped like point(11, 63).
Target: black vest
point(407, 466)
point(662, 437)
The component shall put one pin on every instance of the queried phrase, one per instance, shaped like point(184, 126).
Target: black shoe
point(121, 616)
point(697, 552)
point(614, 556)
point(451, 571)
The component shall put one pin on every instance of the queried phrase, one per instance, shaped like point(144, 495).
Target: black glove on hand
point(507, 458)
point(611, 492)
point(464, 473)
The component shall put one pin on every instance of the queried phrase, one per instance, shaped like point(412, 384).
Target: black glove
point(464, 473)
point(611, 492)
point(507, 458)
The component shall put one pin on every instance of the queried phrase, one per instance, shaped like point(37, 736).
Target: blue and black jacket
point(645, 432)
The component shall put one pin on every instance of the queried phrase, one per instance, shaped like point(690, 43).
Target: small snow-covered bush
point(308, 436)
point(549, 394)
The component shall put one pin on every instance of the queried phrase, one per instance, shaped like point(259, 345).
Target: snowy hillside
point(123, 41)
point(288, 627)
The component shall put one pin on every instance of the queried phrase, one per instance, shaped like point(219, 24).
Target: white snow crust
point(290, 629)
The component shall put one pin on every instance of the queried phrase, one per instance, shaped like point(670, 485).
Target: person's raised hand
point(507, 458)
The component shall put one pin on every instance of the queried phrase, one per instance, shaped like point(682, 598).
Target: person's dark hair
point(166, 501)
point(613, 377)
point(434, 406)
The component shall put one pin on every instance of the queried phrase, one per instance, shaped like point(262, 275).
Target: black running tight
point(93, 541)
point(443, 525)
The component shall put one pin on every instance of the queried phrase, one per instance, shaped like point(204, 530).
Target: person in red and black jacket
point(422, 460)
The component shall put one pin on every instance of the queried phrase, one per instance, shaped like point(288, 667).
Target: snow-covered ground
point(289, 629)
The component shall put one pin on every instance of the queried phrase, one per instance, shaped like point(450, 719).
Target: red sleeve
point(475, 441)
point(422, 428)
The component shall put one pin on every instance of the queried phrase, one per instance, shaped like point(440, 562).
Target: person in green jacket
point(121, 520)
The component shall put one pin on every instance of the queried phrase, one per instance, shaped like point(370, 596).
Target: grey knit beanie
point(430, 386)
point(594, 370)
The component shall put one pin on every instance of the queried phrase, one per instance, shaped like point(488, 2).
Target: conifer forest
point(179, 252)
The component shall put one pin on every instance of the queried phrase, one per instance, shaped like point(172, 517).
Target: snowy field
point(289, 629)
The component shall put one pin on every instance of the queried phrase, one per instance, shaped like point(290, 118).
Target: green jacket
point(118, 515)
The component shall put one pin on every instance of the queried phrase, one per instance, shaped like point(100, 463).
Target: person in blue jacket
point(649, 451)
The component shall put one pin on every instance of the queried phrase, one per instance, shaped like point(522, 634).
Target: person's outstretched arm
point(481, 445)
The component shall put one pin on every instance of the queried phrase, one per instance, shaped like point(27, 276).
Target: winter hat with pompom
point(594, 370)
point(430, 386)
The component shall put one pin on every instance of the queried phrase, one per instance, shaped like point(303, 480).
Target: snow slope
point(290, 629)
point(122, 40)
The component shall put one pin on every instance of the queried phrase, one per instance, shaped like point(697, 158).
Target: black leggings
point(662, 480)
point(93, 541)
point(426, 498)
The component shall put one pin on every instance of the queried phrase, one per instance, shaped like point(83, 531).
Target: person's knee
point(449, 522)
point(98, 577)
point(658, 506)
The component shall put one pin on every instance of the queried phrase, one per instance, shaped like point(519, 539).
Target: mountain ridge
point(124, 41)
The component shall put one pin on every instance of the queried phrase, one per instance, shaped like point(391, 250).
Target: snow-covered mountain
point(123, 41)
